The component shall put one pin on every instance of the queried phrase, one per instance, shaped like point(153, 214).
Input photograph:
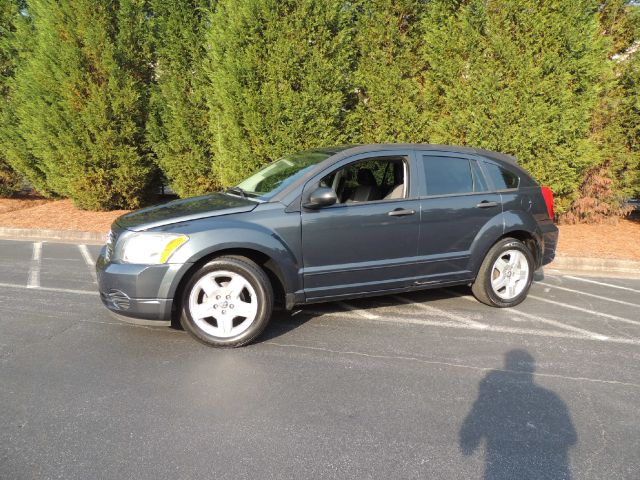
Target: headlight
point(147, 248)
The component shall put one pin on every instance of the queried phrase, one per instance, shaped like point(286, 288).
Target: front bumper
point(139, 291)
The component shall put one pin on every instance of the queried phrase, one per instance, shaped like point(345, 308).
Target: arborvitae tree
point(388, 76)
point(10, 18)
point(280, 79)
point(82, 100)
point(179, 126)
point(518, 76)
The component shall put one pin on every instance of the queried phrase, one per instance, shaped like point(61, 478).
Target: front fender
point(208, 239)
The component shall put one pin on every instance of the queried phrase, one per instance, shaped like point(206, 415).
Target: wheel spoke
point(500, 264)
point(225, 323)
point(499, 282)
point(209, 286)
point(236, 286)
point(246, 309)
point(514, 259)
point(201, 310)
point(511, 289)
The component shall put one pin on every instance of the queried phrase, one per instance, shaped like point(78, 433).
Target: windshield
point(277, 175)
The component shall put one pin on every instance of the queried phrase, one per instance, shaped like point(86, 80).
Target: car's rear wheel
point(227, 302)
point(505, 275)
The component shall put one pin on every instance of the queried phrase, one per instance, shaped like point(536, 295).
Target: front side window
point(369, 180)
point(502, 178)
point(448, 175)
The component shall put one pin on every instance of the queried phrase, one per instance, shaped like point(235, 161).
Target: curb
point(79, 236)
point(599, 266)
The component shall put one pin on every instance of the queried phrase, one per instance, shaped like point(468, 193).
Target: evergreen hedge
point(100, 95)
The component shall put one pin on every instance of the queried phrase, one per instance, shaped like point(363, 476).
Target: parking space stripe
point(443, 313)
point(600, 297)
point(49, 289)
point(585, 310)
point(576, 335)
point(602, 283)
point(358, 311)
point(34, 270)
point(89, 261)
point(564, 326)
point(555, 323)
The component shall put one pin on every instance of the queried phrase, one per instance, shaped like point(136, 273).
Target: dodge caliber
point(328, 224)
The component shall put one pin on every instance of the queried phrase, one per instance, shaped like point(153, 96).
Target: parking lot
point(430, 384)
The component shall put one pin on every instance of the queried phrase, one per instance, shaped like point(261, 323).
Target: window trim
point(408, 160)
point(490, 179)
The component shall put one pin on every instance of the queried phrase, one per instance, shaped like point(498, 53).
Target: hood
point(184, 210)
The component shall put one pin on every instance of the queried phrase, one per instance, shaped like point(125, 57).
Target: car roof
point(363, 148)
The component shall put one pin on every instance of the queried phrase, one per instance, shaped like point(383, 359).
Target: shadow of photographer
point(527, 429)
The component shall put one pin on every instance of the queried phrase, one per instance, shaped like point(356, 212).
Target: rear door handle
point(401, 212)
point(486, 204)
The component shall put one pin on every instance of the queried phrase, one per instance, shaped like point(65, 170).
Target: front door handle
point(486, 204)
point(401, 212)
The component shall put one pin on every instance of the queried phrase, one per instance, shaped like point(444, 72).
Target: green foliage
point(390, 91)
point(12, 43)
point(279, 73)
point(179, 125)
point(81, 100)
point(93, 93)
point(520, 77)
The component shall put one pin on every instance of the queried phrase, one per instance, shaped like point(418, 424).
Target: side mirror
point(321, 197)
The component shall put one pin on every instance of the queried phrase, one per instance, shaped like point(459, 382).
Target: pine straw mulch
point(34, 212)
point(620, 240)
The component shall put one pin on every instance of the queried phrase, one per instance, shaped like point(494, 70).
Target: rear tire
point(227, 302)
point(505, 275)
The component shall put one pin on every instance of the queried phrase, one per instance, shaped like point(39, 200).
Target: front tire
point(505, 275)
point(227, 302)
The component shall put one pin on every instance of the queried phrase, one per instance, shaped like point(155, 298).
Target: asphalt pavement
point(430, 385)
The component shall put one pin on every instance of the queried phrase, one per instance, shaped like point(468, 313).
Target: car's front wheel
point(227, 302)
point(505, 275)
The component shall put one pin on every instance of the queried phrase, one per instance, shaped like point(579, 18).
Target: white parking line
point(49, 289)
point(564, 326)
point(34, 270)
point(89, 261)
point(536, 318)
point(577, 335)
point(600, 297)
point(358, 311)
point(585, 310)
point(443, 313)
point(602, 283)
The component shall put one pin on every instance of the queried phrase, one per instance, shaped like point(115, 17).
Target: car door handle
point(486, 204)
point(401, 212)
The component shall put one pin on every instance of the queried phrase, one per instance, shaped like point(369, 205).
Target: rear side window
point(447, 175)
point(502, 178)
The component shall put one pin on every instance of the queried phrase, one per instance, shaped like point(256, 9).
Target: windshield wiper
point(237, 190)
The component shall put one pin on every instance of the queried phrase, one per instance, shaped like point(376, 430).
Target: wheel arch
point(268, 264)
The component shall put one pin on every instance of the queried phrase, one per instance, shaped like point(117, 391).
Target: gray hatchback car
point(327, 224)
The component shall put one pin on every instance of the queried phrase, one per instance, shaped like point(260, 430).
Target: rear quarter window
point(501, 178)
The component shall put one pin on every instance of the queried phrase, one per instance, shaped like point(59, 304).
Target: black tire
point(260, 283)
point(482, 288)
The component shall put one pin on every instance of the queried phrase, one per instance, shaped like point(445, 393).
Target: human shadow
point(527, 429)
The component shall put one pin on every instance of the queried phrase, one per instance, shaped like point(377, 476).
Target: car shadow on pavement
point(526, 429)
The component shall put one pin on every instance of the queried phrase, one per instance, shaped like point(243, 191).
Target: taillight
point(547, 194)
